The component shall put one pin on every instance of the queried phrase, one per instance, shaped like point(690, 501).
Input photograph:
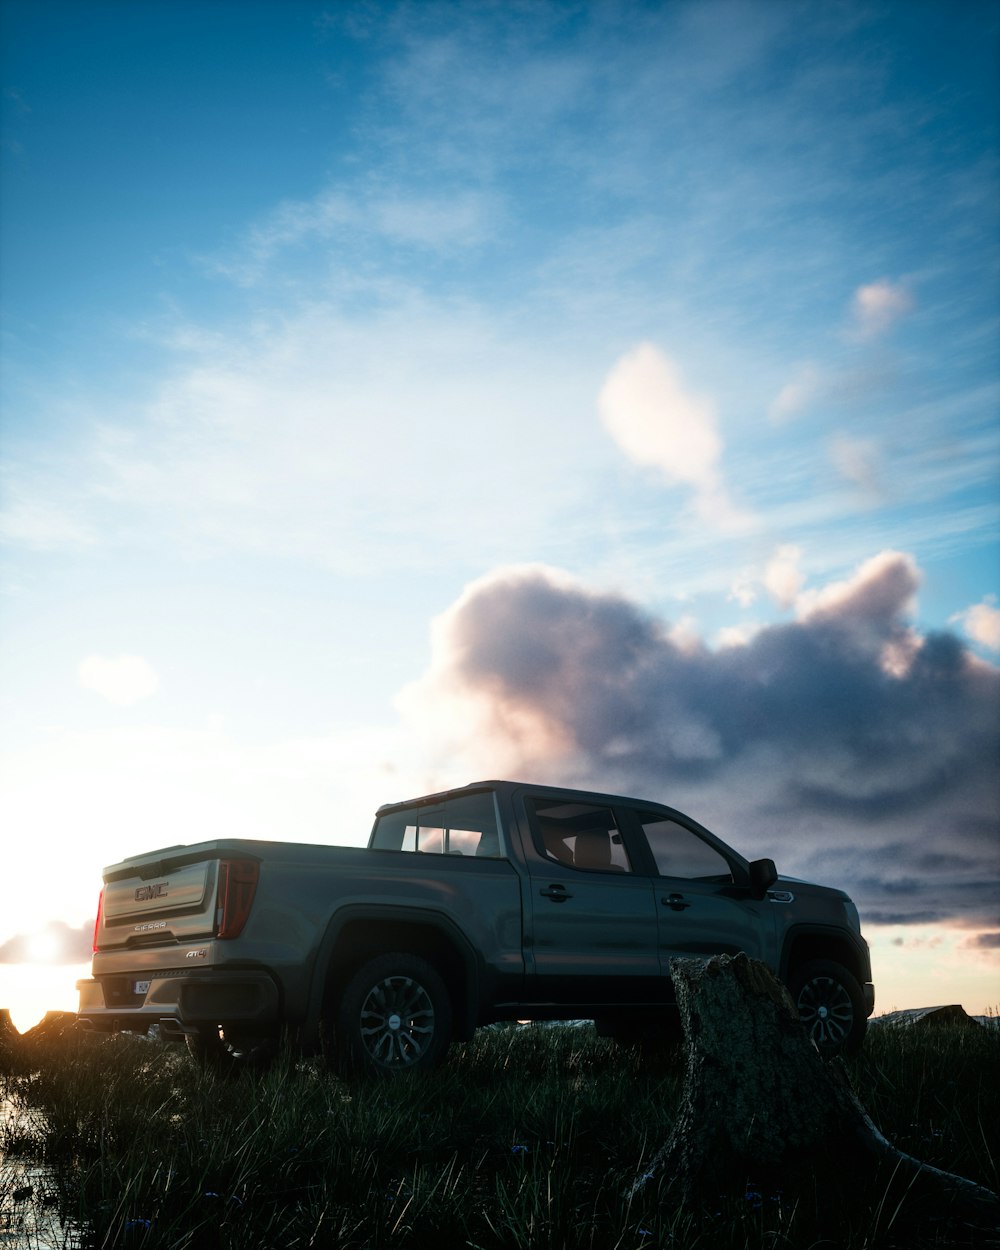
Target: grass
point(528, 1137)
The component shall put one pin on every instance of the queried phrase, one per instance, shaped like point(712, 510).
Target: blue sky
point(324, 327)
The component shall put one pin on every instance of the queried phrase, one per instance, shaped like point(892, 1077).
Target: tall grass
point(528, 1137)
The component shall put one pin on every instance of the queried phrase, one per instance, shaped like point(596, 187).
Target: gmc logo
point(145, 892)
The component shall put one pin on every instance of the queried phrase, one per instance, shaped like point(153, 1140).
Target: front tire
point(394, 1016)
point(831, 1006)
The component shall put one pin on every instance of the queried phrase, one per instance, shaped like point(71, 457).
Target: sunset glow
point(607, 395)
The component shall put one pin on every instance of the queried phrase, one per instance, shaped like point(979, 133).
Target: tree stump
point(759, 1102)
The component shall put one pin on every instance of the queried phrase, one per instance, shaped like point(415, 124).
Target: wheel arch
point(805, 944)
point(357, 934)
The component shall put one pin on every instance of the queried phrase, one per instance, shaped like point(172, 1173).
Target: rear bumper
point(185, 1003)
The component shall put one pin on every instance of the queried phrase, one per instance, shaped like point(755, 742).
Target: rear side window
point(680, 852)
point(580, 835)
point(464, 825)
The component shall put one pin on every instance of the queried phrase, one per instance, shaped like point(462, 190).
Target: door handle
point(557, 893)
point(675, 902)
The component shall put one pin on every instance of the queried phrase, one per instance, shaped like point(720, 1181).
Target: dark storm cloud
point(842, 743)
point(57, 943)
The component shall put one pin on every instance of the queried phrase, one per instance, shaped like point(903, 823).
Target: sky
point(394, 395)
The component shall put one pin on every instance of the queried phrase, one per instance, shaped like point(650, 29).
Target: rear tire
point(831, 1006)
point(394, 1016)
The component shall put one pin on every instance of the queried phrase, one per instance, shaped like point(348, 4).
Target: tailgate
point(158, 902)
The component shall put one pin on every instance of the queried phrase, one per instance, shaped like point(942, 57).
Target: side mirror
point(763, 875)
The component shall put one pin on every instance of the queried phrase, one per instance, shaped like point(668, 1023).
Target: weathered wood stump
point(759, 1102)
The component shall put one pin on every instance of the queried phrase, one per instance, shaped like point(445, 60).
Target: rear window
point(464, 825)
point(579, 835)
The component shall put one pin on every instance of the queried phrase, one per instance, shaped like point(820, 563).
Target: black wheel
point(831, 1006)
point(231, 1054)
point(394, 1015)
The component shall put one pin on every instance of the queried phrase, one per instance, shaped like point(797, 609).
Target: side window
point(679, 852)
point(580, 835)
point(465, 825)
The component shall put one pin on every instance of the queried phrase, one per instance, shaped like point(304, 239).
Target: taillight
point(237, 886)
point(97, 922)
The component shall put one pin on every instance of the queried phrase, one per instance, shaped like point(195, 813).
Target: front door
point(701, 909)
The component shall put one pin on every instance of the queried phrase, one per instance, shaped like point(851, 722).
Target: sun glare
point(43, 948)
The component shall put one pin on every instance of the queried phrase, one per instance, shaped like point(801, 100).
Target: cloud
point(36, 514)
point(859, 461)
point(981, 623)
point(797, 394)
point(878, 306)
point(659, 424)
point(842, 743)
point(881, 588)
point(121, 679)
point(783, 577)
point(444, 223)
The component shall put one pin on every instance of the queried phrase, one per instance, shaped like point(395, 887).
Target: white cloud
point(659, 424)
point(744, 588)
point(783, 577)
point(737, 635)
point(981, 623)
point(121, 679)
point(883, 586)
point(878, 306)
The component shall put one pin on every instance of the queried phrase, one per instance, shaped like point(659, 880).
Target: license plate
point(140, 987)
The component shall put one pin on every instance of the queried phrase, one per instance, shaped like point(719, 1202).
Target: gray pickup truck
point(495, 901)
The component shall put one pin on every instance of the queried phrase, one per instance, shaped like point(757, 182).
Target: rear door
point(591, 923)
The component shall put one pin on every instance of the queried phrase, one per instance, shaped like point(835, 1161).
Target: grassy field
point(528, 1137)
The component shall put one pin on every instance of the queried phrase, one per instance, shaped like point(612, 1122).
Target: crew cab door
point(591, 923)
point(704, 905)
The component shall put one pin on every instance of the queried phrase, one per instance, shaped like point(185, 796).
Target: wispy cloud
point(367, 216)
point(796, 395)
point(859, 460)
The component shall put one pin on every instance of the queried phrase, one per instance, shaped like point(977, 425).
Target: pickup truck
point(494, 901)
